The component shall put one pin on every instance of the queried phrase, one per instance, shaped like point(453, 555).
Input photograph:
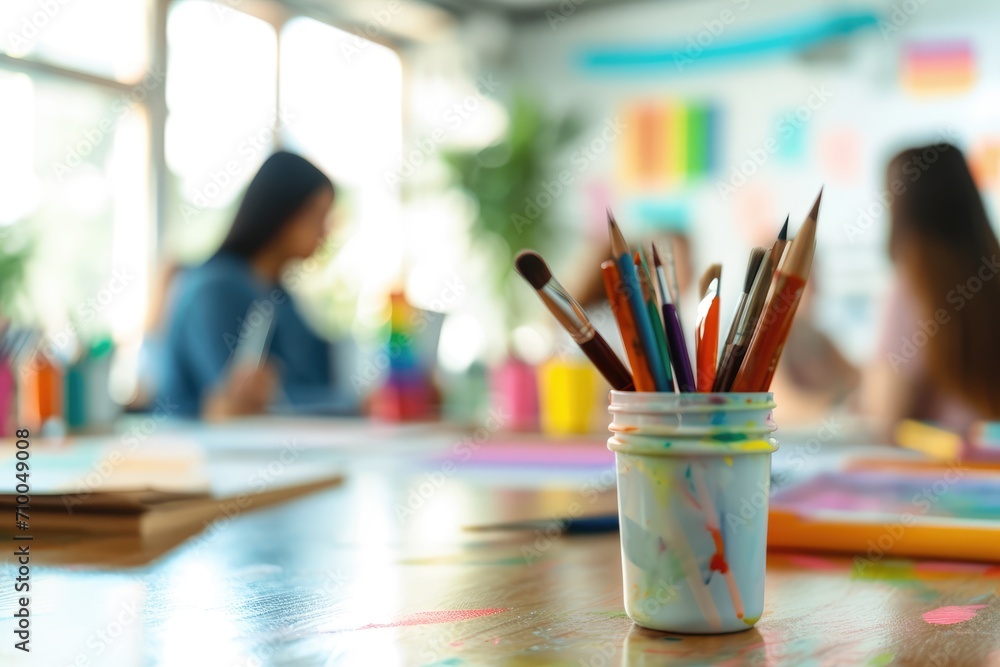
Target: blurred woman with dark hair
point(282, 218)
point(940, 357)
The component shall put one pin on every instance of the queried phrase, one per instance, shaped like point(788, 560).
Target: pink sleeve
point(899, 323)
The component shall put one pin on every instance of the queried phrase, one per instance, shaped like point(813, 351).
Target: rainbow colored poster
point(668, 142)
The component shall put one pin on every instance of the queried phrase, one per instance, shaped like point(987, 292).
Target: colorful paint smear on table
point(950, 495)
point(952, 614)
point(668, 142)
point(938, 68)
point(814, 562)
point(433, 617)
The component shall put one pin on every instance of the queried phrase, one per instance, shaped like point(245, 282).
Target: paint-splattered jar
point(693, 486)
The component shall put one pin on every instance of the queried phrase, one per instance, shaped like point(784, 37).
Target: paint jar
point(567, 391)
point(693, 486)
point(515, 393)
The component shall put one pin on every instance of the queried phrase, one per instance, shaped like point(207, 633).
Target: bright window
point(74, 180)
point(341, 99)
point(107, 38)
point(222, 103)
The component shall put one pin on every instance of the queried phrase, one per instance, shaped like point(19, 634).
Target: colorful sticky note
point(938, 68)
point(840, 155)
point(791, 133)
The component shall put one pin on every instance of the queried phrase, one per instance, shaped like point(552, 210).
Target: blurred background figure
point(281, 219)
point(814, 378)
point(938, 357)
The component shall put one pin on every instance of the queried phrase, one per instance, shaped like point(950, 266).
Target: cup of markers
point(689, 465)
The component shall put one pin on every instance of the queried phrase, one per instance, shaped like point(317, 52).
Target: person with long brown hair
point(940, 354)
point(281, 219)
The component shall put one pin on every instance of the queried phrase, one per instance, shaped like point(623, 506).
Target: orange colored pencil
point(706, 341)
point(769, 340)
point(641, 374)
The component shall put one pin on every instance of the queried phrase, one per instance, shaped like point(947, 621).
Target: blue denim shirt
point(206, 311)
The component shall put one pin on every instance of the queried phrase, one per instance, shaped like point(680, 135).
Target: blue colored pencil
point(644, 326)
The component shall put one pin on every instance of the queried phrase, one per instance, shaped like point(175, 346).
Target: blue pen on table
point(584, 525)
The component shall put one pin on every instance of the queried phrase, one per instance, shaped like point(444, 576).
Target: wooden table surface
point(380, 571)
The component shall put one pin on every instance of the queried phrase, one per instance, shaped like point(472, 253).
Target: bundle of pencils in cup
point(644, 302)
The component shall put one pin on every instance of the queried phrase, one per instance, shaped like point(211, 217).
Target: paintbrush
point(633, 293)
point(725, 375)
point(768, 341)
point(676, 344)
point(707, 333)
point(573, 319)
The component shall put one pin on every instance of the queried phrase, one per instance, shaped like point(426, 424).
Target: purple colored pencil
point(679, 357)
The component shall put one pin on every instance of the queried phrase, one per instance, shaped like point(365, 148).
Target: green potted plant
point(511, 182)
point(507, 181)
point(13, 259)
